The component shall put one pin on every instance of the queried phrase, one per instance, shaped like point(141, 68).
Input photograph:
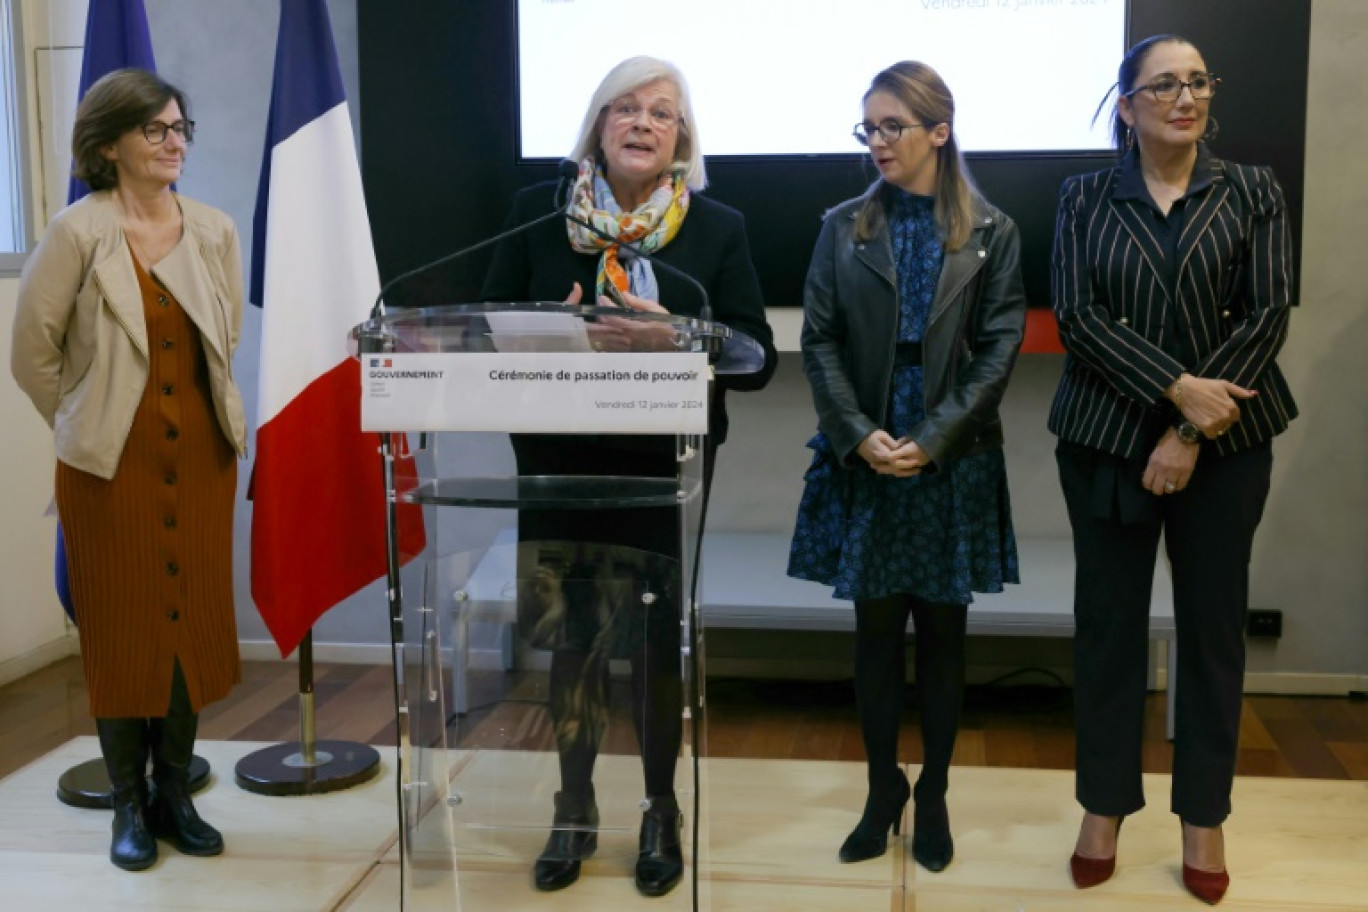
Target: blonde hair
point(926, 95)
point(632, 74)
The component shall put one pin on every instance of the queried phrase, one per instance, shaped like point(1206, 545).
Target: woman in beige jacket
point(128, 316)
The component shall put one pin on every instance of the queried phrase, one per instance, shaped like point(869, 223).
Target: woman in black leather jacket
point(914, 311)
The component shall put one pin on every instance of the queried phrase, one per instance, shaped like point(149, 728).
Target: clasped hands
point(899, 458)
point(616, 334)
point(1213, 406)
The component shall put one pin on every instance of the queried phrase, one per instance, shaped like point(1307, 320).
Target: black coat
point(711, 246)
point(850, 330)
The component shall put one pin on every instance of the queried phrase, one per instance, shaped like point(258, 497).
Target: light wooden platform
point(1294, 846)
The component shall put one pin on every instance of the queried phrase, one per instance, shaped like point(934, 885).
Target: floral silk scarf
point(651, 226)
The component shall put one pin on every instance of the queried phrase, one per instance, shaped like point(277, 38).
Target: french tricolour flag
point(318, 522)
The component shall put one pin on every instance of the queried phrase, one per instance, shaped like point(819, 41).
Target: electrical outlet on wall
point(1264, 622)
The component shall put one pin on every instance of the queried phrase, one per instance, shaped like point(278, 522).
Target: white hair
point(632, 74)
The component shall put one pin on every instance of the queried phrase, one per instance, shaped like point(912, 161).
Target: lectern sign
point(540, 392)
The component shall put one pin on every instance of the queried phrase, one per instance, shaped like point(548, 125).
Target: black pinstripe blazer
point(1233, 291)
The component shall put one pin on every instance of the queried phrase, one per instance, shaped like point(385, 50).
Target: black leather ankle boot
point(574, 836)
point(660, 861)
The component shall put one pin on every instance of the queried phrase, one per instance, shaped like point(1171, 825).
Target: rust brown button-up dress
point(150, 551)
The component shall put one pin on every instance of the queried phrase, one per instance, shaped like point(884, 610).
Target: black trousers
point(1208, 531)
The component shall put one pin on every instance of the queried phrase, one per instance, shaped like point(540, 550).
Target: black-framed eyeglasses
point(890, 130)
point(155, 131)
point(1167, 88)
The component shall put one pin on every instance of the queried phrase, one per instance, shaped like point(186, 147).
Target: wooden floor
point(768, 845)
point(1021, 727)
point(784, 782)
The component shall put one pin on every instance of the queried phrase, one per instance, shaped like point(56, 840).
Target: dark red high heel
point(1208, 886)
point(1089, 872)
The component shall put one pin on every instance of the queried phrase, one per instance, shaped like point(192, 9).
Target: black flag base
point(86, 785)
point(283, 769)
point(307, 766)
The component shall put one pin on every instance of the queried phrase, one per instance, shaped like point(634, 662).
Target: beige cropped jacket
point(80, 348)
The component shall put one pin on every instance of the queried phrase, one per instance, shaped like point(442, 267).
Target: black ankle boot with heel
point(574, 836)
point(883, 811)
point(660, 861)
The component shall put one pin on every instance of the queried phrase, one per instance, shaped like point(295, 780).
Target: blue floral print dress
point(940, 536)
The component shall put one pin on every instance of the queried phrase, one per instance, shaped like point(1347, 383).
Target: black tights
point(657, 707)
point(880, 682)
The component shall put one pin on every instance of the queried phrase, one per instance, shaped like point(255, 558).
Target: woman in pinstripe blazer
point(1171, 283)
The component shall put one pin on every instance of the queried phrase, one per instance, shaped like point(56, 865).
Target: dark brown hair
point(120, 101)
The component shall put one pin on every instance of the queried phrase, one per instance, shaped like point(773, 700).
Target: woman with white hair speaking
point(640, 170)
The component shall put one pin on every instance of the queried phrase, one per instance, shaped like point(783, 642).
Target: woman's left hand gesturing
point(1171, 465)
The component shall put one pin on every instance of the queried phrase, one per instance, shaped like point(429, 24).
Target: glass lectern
point(546, 670)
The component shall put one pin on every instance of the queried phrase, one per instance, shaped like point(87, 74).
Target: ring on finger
point(1168, 487)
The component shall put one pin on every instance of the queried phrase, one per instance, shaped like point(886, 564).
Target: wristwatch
point(1188, 432)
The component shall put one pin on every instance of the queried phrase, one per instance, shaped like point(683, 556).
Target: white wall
point(33, 630)
point(1311, 556)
